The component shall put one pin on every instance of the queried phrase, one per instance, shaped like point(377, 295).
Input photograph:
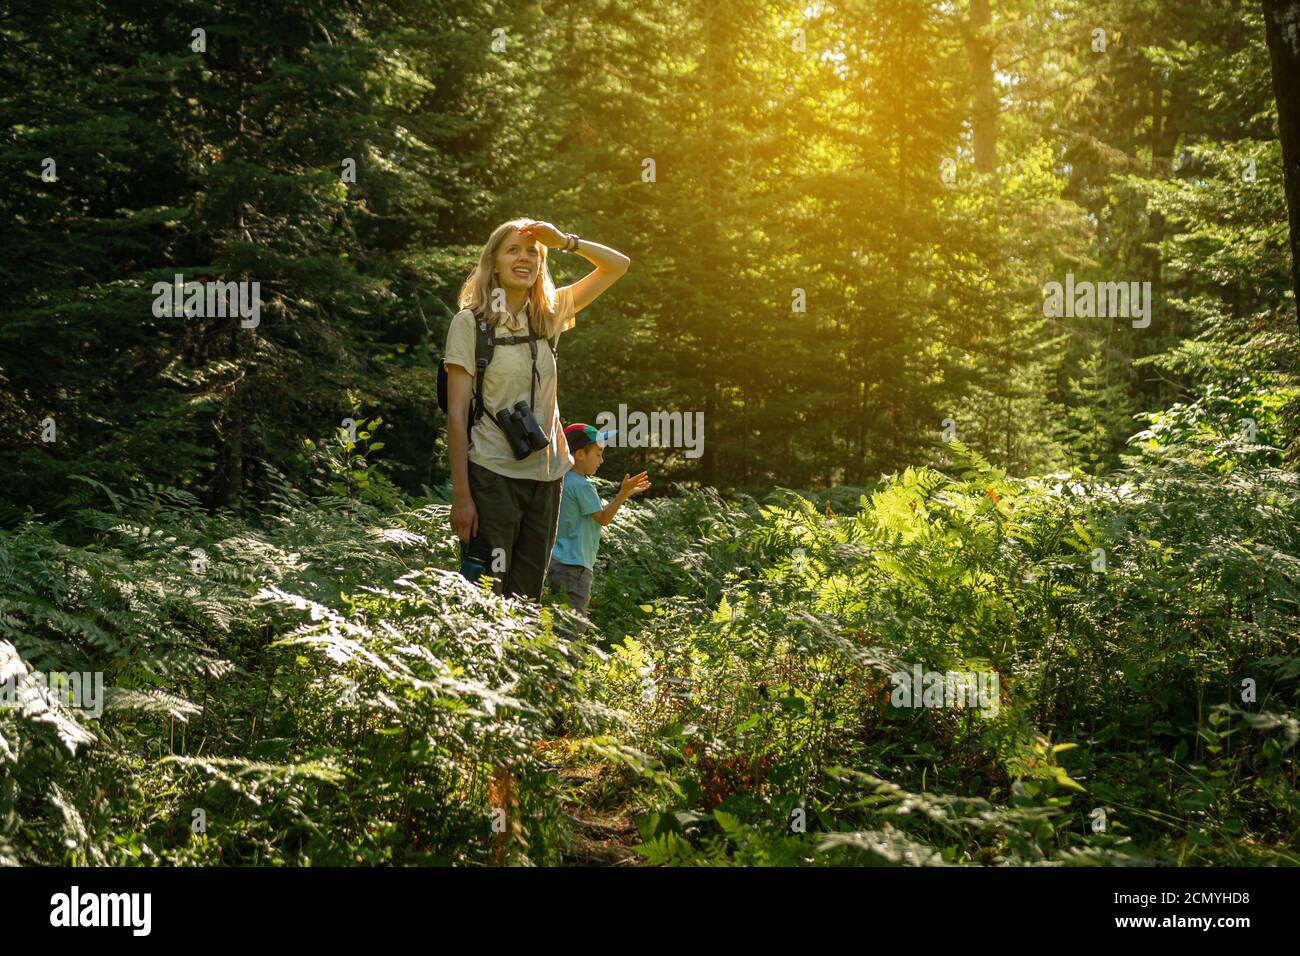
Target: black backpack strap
point(525, 339)
point(483, 346)
point(536, 376)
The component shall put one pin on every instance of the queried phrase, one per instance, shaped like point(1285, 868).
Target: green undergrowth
point(310, 683)
point(1141, 629)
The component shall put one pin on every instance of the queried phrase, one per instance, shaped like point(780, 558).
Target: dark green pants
point(517, 521)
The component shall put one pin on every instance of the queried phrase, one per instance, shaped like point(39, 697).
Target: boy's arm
point(630, 487)
point(606, 515)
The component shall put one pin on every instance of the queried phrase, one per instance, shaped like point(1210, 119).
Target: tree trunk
point(1282, 32)
point(228, 483)
point(984, 114)
point(1160, 169)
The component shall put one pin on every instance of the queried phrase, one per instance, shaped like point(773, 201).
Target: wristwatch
point(571, 243)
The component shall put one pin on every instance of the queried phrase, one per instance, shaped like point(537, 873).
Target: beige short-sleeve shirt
point(507, 381)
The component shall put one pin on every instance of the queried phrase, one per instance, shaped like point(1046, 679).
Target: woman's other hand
point(464, 517)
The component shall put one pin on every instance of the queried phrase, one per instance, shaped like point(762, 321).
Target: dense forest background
point(841, 219)
point(844, 221)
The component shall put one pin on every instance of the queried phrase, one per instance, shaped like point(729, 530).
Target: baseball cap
point(580, 435)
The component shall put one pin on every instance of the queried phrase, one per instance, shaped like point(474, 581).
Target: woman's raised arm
point(610, 263)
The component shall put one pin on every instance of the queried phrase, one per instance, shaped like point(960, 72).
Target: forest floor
point(600, 838)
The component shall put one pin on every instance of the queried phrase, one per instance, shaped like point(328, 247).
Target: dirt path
point(601, 842)
point(599, 839)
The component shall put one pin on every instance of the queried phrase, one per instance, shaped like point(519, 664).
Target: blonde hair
point(476, 293)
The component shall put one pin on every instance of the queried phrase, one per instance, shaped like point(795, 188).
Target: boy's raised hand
point(633, 485)
point(626, 490)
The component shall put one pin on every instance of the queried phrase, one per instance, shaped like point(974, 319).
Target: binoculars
point(522, 430)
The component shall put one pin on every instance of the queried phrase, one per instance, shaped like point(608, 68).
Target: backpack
point(485, 343)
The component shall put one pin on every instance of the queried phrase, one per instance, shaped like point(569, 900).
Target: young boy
point(582, 515)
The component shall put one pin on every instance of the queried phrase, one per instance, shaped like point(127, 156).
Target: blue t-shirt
point(578, 536)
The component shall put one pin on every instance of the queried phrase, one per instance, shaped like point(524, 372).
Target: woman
point(505, 507)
